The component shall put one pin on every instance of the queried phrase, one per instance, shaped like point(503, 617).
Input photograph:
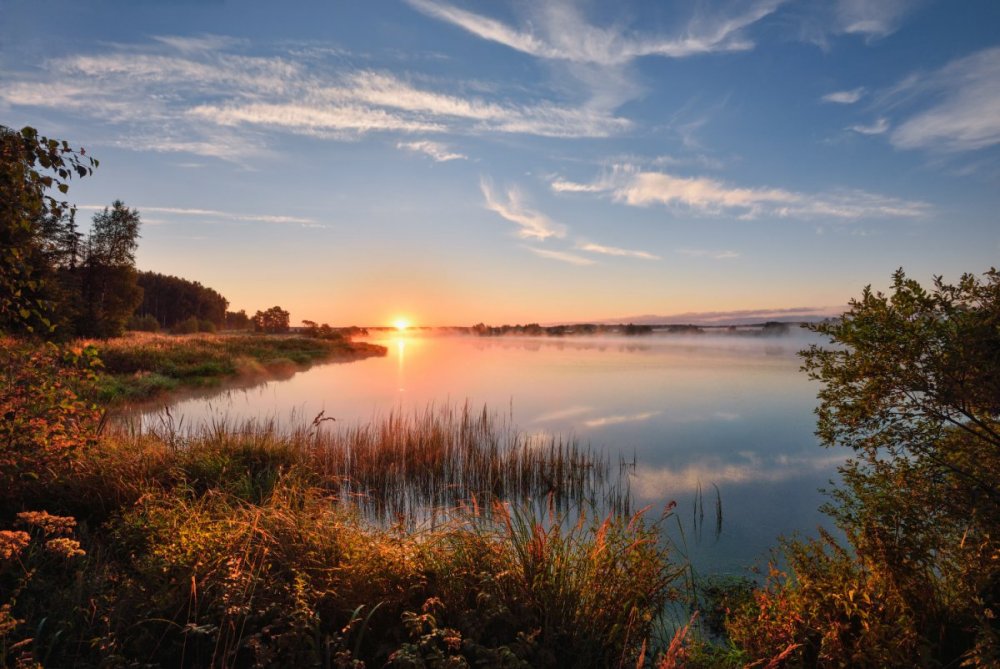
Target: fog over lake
point(693, 411)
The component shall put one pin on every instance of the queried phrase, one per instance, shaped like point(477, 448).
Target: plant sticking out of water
point(409, 468)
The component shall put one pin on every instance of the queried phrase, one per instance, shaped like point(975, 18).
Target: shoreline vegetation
point(246, 545)
point(767, 329)
point(142, 367)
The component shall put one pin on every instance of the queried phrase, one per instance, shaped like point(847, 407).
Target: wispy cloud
point(531, 224)
point(872, 19)
point(558, 31)
point(634, 187)
point(561, 256)
point(844, 97)
point(876, 128)
point(189, 43)
point(615, 251)
point(707, 253)
point(562, 414)
point(217, 214)
point(954, 108)
point(605, 421)
point(594, 62)
point(709, 195)
point(309, 119)
point(436, 150)
point(203, 95)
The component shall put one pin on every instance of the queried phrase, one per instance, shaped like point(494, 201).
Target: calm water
point(694, 411)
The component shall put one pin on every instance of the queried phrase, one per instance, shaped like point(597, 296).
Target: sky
point(457, 162)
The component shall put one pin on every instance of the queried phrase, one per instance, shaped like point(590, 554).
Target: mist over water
point(695, 412)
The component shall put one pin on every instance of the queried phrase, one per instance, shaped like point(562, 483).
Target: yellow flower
point(12, 542)
point(63, 547)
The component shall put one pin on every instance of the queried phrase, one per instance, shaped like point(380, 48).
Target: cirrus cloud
point(531, 224)
point(632, 186)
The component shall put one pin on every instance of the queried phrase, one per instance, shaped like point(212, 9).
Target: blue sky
point(533, 161)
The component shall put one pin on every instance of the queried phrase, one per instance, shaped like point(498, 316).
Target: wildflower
point(65, 548)
point(46, 522)
point(12, 542)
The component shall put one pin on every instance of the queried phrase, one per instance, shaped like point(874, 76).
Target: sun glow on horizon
point(401, 324)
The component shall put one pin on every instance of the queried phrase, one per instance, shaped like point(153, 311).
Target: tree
point(107, 278)
point(911, 384)
point(37, 230)
point(913, 374)
point(171, 300)
point(272, 321)
point(237, 320)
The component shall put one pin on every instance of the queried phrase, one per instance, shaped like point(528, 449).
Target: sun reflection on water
point(400, 362)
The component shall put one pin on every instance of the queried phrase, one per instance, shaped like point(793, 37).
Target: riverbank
point(240, 547)
point(140, 367)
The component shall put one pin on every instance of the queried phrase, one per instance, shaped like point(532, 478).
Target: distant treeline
point(183, 306)
point(171, 300)
point(536, 330)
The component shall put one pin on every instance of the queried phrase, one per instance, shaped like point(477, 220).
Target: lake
point(695, 412)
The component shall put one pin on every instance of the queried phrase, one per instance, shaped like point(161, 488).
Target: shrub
point(187, 326)
point(144, 323)
point(828, 609)
point(44, 423)
point(912, 385)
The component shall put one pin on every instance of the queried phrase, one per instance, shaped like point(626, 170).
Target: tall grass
point(408, 467)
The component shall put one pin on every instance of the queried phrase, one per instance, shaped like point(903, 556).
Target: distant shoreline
point(769, 328)
point(140, 369)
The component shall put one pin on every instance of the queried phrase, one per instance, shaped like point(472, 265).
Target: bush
point(912, 385)
point(187, 326)
point(829, 609)
point(44, 423)
point(206, 326)
point(144, 323)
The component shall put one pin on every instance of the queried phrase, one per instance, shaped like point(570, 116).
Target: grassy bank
point(143, 366)
point(246, 546)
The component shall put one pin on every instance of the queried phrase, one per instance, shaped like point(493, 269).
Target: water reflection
point(733, 411)
point(401, 358)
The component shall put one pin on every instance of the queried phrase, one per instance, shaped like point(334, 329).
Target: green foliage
point(37, 230)
point(173, 300)
point(829, 609)
point(55, 282)
point(272, 321)
point(106, 278)
point(560, 594)
point(912, 385)
point(324, 331)
point(44, 421)
point(189, 325)
point(913, 368)
point(36, 558)
point(147, 323)
point(141, 367)
point(237, 320)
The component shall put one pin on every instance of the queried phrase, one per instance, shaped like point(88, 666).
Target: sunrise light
point(401, 324)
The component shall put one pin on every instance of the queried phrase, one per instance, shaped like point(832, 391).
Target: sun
point(401, 324)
